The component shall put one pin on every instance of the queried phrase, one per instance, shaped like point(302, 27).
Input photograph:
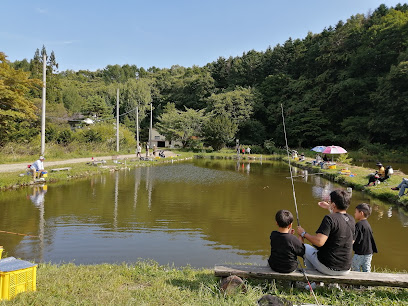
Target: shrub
point(269, 146)
point(64, 137)
point(255, 149)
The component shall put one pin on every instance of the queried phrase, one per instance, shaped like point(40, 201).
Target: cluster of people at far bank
point(383, 174)
point(243, 150)
point(331, 247)
point(154, 152)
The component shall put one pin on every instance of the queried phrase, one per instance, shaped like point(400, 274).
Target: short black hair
point(341, 198)
point(365, 208)
point(284, 218)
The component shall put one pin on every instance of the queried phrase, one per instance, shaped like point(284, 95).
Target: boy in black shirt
point(364, 244)
point(285, 247)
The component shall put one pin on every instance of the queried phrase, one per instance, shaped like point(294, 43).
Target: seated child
point(364, 244)
point(285, 247)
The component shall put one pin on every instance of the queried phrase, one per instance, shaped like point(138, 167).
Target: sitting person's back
point(285, 247)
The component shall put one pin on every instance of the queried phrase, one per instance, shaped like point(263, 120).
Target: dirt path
point(47, 164)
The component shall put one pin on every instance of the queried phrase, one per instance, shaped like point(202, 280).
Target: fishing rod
point(294, 198)
point(19, 234)
point(303, 175)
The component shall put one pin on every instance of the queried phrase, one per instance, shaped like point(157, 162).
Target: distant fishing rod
point(303, 175)
point(294, 198)
point(13, 233)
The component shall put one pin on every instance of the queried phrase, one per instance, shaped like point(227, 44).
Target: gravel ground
point(22, 166)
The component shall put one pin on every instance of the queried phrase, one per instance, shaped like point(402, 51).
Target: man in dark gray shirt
point(332, 248)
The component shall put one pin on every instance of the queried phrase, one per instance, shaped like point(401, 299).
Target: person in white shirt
point(37, 167)
point(248, 150)
point(139, 151)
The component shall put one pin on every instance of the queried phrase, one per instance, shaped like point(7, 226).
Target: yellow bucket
point(1, 251)
point(332, 167)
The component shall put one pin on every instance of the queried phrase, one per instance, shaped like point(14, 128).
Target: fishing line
point(19, 234)
point(294, 198)
point(290, 167)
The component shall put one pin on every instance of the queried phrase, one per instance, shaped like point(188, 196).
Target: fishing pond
point(200, 213)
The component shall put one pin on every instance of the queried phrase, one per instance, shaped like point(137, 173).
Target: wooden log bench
point(60, 169)
point(352, 278)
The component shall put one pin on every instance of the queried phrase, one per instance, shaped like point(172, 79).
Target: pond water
point(199, 213)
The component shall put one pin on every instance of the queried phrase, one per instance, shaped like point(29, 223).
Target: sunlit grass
point(147, 283)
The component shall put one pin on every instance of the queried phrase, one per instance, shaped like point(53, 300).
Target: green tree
point(218, 131)
point(181, 125)
point(236, 105)
point(96, 107)
point(136, 93)
point(15, 107)
point(36, 65)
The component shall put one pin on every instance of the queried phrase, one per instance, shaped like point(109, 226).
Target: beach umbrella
point(318, 149)
point(334, 150)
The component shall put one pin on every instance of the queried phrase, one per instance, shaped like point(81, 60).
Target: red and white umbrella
point(334, 150)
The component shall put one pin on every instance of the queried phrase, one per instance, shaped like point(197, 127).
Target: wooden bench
point(61, 169)
point(352, 278)
point(96, 162)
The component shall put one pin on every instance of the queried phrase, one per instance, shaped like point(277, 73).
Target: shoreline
point(357, 181)
point(80, 168)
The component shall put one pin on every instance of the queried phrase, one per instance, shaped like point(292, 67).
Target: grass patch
point(147, 283)
point(80, 170)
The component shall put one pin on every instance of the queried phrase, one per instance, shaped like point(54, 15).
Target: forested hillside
point(347, 85)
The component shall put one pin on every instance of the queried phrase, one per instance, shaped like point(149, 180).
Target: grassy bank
point(358, 178)
point(147, 283)
point(81, 170)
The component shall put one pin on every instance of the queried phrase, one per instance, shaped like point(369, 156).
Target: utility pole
point(43, 104)
point(117, 120)
point(137, 125)
point(151, 124)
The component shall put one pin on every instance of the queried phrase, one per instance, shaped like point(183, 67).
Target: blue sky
point(90, 34)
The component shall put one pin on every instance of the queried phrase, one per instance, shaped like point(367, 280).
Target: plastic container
point(332, 167)
point(1, 250)
point(16, 276)
point(44, 173)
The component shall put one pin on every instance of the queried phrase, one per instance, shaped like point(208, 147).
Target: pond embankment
point(14, 176)
point(354, 176)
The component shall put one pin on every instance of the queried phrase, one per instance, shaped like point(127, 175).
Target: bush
point(64, 137)
point(255, 149)
point(343, 159)
point(269, 146)
point(51, 132)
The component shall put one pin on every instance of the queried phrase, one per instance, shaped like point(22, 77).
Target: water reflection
point(38, 199)
point(38, 195)
point(199, 213)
